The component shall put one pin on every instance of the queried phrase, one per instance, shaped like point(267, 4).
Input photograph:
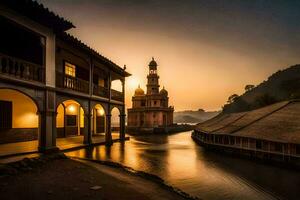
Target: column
point(47, 124)
point(122, 126)
point(108, 137)
point(122, 114)
point(109, 86)
point(65, 120)
point(91, 82)
point(87, 136)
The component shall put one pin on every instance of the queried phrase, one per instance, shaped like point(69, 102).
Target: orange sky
point(205, 53)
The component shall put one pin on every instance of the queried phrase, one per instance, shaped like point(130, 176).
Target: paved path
point(68, 179)
point(62, 144)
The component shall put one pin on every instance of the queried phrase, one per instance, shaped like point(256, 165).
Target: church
point(150, 110)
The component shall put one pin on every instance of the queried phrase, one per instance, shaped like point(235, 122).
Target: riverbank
point(58, 177)
point(177, 128)
point(269, 158)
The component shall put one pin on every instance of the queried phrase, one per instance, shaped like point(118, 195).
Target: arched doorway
point(115, 122)
point(70, 124)
point(19, 120)
point(98, 120)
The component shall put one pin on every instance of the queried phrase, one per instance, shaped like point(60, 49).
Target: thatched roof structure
point(278, 122)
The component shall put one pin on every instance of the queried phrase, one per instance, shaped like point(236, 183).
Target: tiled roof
point(74, 41)
point(38, 13)
point(277, 122)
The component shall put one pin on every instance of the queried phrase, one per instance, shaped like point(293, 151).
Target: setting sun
point(132, 82)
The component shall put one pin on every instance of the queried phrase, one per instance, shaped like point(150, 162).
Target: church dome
point(163, 92)
point(139, 92)
point(153, 64)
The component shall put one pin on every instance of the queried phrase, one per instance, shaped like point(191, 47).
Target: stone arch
point(83, 103)
point(21, 112)
point(115, 113)
point(70, 119)
point(98, 119)
point(36, 96)
point(103, 104)
point(118, 107)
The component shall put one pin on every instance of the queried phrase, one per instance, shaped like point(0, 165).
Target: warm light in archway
point(100, 112)
point(71, 108)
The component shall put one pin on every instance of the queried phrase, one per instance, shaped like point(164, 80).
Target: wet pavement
point(31, 147)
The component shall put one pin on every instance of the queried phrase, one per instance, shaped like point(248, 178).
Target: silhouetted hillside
point(280, 86)
point(190, 116)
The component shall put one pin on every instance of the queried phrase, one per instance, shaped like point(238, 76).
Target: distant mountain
point(190, 116)
point(280, 86)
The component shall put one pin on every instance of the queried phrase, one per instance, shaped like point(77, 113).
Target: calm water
point(182, 163)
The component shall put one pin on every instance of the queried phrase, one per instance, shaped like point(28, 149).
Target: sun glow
point(132, 82)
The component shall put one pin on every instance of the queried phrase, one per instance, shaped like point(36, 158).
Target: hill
point(280, 86)
point(190, 116)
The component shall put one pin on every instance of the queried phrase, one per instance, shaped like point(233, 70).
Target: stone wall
point(18, 135)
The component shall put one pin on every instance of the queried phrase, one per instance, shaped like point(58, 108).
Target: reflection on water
point(184, 164)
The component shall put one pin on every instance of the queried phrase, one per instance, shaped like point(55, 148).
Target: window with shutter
point(5, 114)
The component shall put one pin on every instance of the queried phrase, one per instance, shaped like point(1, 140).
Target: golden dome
point(163, 92)
point(139, 91)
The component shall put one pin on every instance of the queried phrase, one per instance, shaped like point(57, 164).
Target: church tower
point(150, 111)
point(152, 85)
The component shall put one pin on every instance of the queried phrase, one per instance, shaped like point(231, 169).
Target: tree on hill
point(280, 86)
point(239, 105)
point(232, 98)
point(249, 87)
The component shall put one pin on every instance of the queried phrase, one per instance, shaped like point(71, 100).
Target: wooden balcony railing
point(72, 83)
point(100, 91)
point(21, 69)
point(116, 95)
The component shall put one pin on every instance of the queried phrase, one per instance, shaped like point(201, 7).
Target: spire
point(153, 64)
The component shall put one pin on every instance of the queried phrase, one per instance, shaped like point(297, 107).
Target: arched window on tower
point(152, 71)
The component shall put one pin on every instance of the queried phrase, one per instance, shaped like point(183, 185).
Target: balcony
point(116, 95)
point(72, 83)
point(21, 69)
point(100, 91)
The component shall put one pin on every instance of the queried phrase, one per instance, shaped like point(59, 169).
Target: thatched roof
point(219, 122)
point(277, 122)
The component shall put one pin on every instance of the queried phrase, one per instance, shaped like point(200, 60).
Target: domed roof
point(139, 91)
point(153, 64)
point(163, 92)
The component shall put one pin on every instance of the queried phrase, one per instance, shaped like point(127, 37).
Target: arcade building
point(150, 110)
point(52, 85)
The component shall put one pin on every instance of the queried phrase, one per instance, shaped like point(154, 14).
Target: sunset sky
point(206, 50)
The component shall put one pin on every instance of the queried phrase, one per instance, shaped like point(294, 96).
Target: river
point(184, 164)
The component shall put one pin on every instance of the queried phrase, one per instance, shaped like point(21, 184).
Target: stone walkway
point(62, 144)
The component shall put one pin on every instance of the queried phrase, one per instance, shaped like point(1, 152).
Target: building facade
point(51, 84)
point(150, 109)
